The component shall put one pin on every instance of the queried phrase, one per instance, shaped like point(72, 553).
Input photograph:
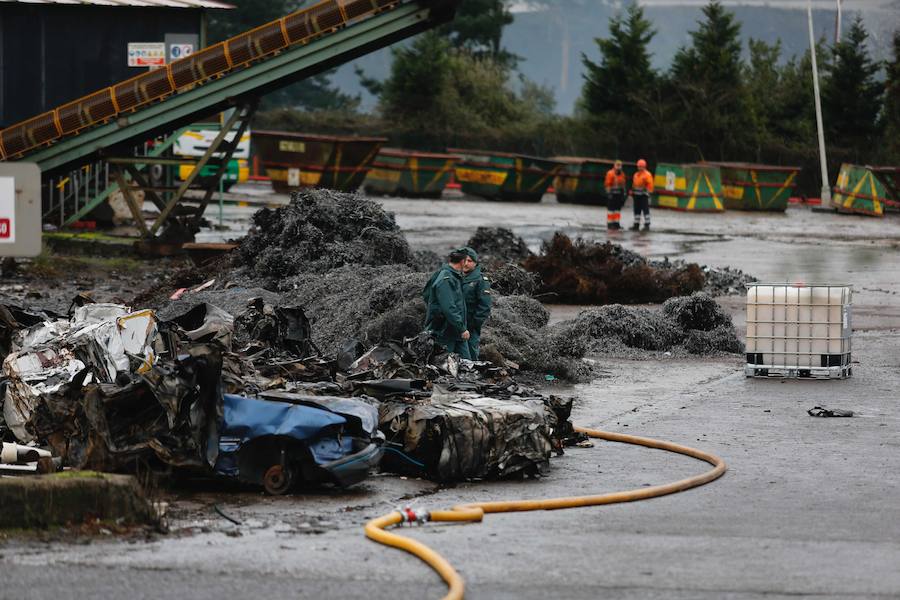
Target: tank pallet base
point(839, 372)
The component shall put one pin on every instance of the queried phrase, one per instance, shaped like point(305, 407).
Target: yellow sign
point(307, 178)
point(733, 192)
point(484, 176)
point(668, 201)
point(670, 181)
point(291, 146)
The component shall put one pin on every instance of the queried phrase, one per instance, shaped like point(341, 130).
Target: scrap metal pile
point(246, 396)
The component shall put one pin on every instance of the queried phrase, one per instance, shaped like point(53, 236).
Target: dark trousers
point(615, 201)
point(641, 206)
point(474, 344)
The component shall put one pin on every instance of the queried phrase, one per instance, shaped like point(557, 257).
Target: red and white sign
point(146, 54)
point(7, 210)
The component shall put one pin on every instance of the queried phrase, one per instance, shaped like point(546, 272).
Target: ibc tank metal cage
point(798, 330)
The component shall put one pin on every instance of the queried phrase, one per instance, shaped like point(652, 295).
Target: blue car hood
point(250, 418)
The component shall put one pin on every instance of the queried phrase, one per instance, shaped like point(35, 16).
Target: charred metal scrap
point(460, 433)
point(248, 397)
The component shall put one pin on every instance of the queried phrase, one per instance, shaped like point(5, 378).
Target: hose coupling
point(411, 515)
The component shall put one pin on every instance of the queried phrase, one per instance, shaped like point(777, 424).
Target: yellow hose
point(474, 512)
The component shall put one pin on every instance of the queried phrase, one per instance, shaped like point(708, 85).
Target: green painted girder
point(294, 63)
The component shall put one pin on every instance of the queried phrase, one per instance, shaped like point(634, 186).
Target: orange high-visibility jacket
point(614, 181)
point(643, 180)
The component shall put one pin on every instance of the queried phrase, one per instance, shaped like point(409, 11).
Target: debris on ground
point(248, 397)
point(592, 271)
point(693, 325)
point(819, 411)
point(498, 244)
point(321, 230)
point(581, 272)
point(476, 431)
point(511, 279)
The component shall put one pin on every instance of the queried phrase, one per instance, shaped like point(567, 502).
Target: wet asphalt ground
point(809, 507)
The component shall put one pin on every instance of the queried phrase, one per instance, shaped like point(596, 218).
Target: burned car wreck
point(278, 441)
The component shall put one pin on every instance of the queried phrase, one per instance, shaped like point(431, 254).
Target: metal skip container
point(798, 330)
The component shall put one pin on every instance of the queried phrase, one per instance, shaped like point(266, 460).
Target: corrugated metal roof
point(137, 3)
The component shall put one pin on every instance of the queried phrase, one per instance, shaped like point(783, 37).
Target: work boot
point(610, 225)
point(617, 225)
point(635, 226)
point(646, 226)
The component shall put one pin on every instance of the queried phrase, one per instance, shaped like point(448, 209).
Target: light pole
point(837, 23)
point(826, 190)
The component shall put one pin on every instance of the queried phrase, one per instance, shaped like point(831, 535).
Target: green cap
point(468, 251)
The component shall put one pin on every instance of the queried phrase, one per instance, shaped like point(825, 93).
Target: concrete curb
point(71, 497)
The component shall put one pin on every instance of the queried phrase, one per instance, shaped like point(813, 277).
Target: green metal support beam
point(268, 74)
point(111, 189)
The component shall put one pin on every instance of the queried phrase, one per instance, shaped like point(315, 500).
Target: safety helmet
point(642, 163)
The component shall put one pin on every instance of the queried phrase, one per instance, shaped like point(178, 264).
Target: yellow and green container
point(691, 187)
point(409, 173)
point(748, 186)
point(298, 160)
point(503, 176)
point(581, 180)
point(866, 190)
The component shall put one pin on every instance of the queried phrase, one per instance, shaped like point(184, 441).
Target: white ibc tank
point(798, 330)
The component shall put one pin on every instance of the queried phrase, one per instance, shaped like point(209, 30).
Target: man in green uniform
point(445, 307)
point(477, 292)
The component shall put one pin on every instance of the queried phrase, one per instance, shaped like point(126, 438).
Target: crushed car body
point(277, 442)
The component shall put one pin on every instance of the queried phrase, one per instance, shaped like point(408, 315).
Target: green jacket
point(477, 291)
point(445, 308)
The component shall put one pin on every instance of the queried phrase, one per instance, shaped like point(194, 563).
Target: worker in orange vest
point(641, 188)
point(614, 184)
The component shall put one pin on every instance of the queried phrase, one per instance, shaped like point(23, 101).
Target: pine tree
point(624, 67)
point(419, 74)
point(478, 28)
point(619, 91)
point(851, 94)
point(890, 116)
point(706, 80)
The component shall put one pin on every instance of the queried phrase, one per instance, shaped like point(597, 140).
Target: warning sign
point(146, 54)
point(7, 210)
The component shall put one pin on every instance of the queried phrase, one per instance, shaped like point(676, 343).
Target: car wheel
point(278, 479)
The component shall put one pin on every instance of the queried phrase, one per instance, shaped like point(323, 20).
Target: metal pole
point(826, 190)
point(221, 199)
point(837, 23)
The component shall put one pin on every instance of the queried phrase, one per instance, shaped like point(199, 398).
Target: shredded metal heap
point(694, 324)
point(321, 230)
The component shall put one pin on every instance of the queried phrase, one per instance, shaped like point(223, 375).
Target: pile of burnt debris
point(583, 272)
point(301, 357)
point(247, 396)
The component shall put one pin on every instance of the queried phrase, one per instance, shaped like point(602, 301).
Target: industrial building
point(53, 51)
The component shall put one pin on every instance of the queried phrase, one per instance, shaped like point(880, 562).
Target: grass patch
point(48, 265)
